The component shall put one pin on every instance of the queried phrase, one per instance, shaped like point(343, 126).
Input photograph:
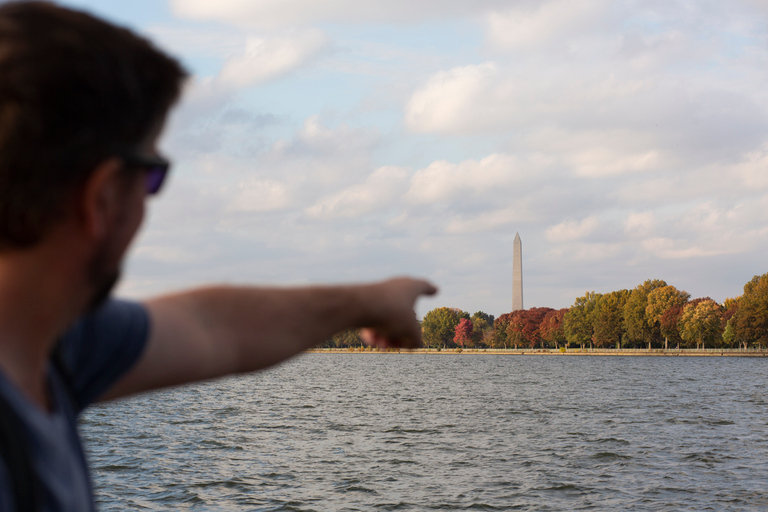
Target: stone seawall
point(554, 352)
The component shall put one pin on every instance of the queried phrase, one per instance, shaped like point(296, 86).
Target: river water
point(416, 432)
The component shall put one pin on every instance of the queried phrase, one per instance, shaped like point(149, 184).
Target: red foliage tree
point(668, 325)
point(524, 325)
point(552, 328)
point(463, 333)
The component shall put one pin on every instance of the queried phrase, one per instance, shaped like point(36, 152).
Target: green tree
point(729, 334)
point(480, 315)
point(730, 307)
point(608, 319)
point(752, 315)
point(498, 337)
point(579, 321)
point(636, 325)
point(700, 323)
point(661, 300)
point(439, 326)
point(482, 326)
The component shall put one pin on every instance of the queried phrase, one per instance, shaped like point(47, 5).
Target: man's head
point(74, 91)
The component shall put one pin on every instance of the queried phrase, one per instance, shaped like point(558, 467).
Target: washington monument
point(517, 274)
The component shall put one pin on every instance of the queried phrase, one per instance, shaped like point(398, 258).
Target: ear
point(99, 201)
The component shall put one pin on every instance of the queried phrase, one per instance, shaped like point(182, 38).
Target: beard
point(103, 289)
point(103, 276)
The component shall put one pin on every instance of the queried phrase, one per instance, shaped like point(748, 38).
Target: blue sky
point(344, 141)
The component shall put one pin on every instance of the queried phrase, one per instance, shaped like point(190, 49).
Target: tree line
point(651, 315)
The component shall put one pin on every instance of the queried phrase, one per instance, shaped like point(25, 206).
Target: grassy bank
point(556, 352)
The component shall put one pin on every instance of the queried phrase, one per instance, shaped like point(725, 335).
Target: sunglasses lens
point(154, 167)
point(155, 177)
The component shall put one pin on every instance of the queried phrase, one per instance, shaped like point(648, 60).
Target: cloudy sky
point(340, 140)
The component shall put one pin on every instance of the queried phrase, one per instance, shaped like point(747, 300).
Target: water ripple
point(412, 433)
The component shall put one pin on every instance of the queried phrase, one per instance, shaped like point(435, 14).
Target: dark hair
point(74, 90)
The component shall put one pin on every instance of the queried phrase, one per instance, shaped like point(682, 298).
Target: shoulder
point(114, 315)
point(100, 347)
point(116, 328)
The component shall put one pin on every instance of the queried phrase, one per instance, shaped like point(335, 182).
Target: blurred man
point(82, 104)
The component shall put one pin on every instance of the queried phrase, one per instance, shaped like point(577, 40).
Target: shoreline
point(625, 352)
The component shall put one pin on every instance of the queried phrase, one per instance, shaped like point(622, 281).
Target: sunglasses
point(155, 166)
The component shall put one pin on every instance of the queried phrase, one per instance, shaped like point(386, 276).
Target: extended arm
point(211, 332)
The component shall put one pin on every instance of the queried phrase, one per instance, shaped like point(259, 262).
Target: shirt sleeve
point(101, 347)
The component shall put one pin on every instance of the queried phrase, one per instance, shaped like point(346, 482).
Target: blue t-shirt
point(97, 351)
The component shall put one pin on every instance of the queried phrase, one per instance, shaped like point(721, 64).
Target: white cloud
point(586, 252)
point(183, 40)
point(317, 137)
point(700, 230)
point(278, 13)
point(258, 195)
point(635, 87)
point(319, 159)
point(442, 181)
point(599, 162)
point(572, 230)
point(649, 118)
point(525, 26)
point(459, 100)
point(518, 214)
point(679, 249)
point(248, 58)
point(267, 58)
point(753, 169)
point(380, 190)
point(640, 223)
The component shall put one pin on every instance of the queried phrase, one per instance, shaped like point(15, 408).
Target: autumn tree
point(579, 321)
point(731, 306)
point(463, 333)
point(439, 326)
point(693, 303)
point(523, 328)
point(661, 300)
point(700, 323)
point(751, 324)
point(552, 328)
point(728, 319)
point(636, 325)
point(515, 328)
point(499, 338)
point(668, 325)
point(608, 319)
